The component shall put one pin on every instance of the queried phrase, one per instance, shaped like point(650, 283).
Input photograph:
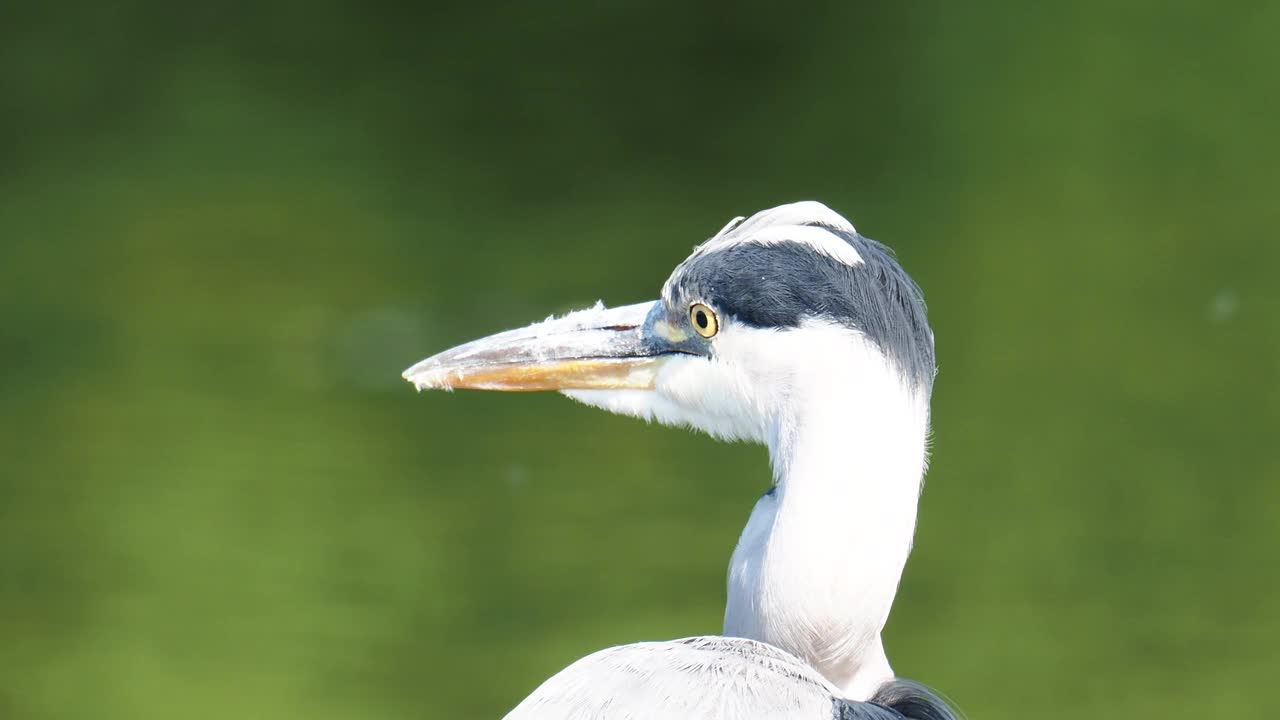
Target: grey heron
point(790, 329)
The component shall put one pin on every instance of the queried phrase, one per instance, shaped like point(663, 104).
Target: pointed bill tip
point(430, 375)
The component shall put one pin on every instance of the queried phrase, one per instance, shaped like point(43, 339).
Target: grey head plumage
point(776, 268)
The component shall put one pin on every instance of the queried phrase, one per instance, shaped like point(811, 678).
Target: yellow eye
point(704, 320)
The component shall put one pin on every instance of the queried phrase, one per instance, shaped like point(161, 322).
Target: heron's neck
point(818, 565)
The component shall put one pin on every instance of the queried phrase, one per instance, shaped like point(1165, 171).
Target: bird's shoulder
point(706, 678)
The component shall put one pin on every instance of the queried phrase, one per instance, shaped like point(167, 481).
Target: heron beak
point(598, 348)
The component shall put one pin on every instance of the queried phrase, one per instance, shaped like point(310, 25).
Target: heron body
point(710, 678)
point(788, 329)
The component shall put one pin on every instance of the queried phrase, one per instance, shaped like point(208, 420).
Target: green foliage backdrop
point(225, 228)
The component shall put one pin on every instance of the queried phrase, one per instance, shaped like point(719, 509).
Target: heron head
point(789, 302)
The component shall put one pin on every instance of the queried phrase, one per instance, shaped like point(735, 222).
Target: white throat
point(818, 564)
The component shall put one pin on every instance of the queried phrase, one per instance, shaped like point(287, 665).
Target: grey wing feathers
point(702, 678)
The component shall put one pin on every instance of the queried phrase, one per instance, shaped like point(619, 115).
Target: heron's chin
point(643, 404)
point(657, 406)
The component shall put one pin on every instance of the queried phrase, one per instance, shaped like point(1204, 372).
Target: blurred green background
point(226, 228)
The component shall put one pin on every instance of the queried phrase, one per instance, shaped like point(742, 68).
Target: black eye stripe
point(779, 285)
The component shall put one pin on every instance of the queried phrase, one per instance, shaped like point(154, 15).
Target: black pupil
point(701, 317)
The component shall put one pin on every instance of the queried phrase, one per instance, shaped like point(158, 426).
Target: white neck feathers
point(818, 565)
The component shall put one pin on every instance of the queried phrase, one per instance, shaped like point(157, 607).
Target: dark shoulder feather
point(914, 701)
